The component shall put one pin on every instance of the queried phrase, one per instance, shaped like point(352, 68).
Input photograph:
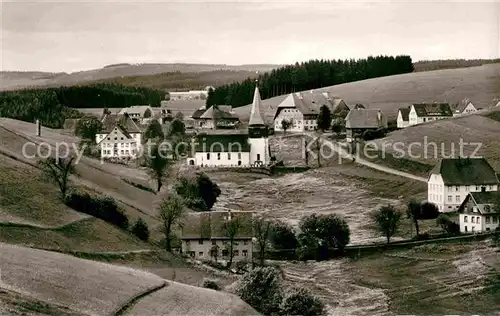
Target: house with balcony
point(120, 137)
point(451, 181)
point(480, 212)
point(428, 112)
point(204, 235)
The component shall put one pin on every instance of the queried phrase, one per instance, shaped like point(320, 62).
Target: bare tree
point(262, 229)
point(171, 212)
point(231, 229)
point(58, 171)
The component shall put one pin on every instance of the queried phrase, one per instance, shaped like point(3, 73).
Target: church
point(234, 149)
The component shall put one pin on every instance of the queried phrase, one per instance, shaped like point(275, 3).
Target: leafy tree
point(88, 127)
point(324, 118)
point(58, 172)
point(140, 229)
point(261, 230)
point(231, 228)
point(300, 301)
point(285, 125)
point(387, 219)
point(318, 233)
point(172, 211)
point(447, 225)
point(153, 131)
point(177, 127)
point(158, 165)
point(429, 210)
point(338, 127)
point(148, 113)
point(413, 211)
point(282, 236)
point(179, 116)
point(261, 289)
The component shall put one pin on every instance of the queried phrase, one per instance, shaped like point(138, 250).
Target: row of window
point(229, 156)
point(487, 219)
point(456, 188)
point(214, 242)
point(225, 253)
point(109, 145)
point(477, 219)
point(122, 152)
point(458, 199)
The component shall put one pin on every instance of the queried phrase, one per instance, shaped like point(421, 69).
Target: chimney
point(38, 128)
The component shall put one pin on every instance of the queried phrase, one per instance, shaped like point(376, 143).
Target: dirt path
point(27, 224)
point(344, 154)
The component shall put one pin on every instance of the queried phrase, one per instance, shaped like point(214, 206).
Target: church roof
point(255, 113)
point(222, 143)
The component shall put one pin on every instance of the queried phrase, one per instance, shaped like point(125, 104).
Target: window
point(472, 219)
point(200, 253)
point(116, 138)
point(467, 188)
point(465, 228)
point(245, 242)
point(478, 220)
point(488, 219)
point(224, 252)
point(245, 253)
point(239, 162)
point(477, 188)
point(457, 188)
point(122, 152)
point(472, 229)
point(495, 219)
point(214, 242)
point(200, 242)
point(228, 156)
point(465, 219)
point(457, 198)
point(187, 242)
point(122, 145)
point(208, 156)
point(218, 156)
point(449, 188)
point(258, 156)
point(449, 198)
point(239, 156)
point(236, 252)
point(109, 138)
point(121, 138)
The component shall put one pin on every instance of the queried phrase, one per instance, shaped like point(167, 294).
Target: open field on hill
point(442, 139)
point(14, 80)
point(480, 84)
point(426, 280)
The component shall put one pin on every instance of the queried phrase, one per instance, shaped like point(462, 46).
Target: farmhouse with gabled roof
point(451, 180)
point(403, 119)
point(360, 120)
point(464, 107)
point(427, 112)
point(204, 235)
point(119, 138)
point(480, 212)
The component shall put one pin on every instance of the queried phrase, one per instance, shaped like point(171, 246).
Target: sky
point(80, 35)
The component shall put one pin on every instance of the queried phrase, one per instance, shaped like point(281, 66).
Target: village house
point(464, 107)
point(480, 212)
point(427, 112)
point(361, 120)
point(403, 119)
point(141, 114)
point(237, 148)
point(190, 95)
point(451, 180)
point(301, 109)
point(204, 235)
point(219, 117)
point(119, 138)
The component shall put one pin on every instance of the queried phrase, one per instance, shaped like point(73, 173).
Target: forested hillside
point(54, 105)
point(430, 65)
point(312, 74)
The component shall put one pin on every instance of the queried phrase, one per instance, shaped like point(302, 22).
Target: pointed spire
point(255, 116)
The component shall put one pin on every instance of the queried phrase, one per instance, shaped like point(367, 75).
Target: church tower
point(258, 133)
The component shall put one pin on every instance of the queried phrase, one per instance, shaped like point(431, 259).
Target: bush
point(211, 284)
point(199, 192)
point(429, 210)
point(141, 230)
point(447, 225)
point(104, 208)
point(261, 289)
point(373, 134)
point(301, 302)
point(282, 236)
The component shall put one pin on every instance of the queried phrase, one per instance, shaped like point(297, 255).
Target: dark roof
point(490, 197)
point(359, 106)
point(363, 118)
point(126, 124)
point(206, 225)
point(433, 109)
point(222, 143)
point(219, 112)
point(405, 113)
point(465, 171)
point(198, 113)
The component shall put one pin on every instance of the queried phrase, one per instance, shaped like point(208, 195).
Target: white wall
point(202, 251)
point(436, 190)
point(401, 123)
point(117, 145)
point(259, 147)
point(471, 225)
point(223, 159)
point(293, 115)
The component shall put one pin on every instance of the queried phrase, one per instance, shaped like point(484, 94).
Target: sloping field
point(426, 280)
point(189, 300)
point(480, 84)
point(442, 139)
point(93, 288)
point(85, 286)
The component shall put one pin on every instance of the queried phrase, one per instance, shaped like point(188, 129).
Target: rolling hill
point(480, 84)
point(16, 80)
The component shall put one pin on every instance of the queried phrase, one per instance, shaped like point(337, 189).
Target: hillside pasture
point(480, 84)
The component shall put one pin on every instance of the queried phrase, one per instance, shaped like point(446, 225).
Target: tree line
point(53, 105)
point(307, 75)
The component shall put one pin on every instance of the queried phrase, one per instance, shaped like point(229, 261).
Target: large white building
point(234, 149)
point(120, 137)
point(204, 236)
point(427, 112)
point(301, 109)
point(451, 180)
point(479, 212)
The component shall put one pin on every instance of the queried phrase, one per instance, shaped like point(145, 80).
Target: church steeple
point(255, 114)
